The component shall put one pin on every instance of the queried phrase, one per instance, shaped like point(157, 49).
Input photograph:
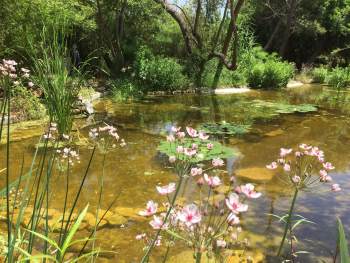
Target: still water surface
point(133, 171)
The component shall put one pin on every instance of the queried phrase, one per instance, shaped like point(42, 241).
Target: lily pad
point(218, 150)
point(225, 128)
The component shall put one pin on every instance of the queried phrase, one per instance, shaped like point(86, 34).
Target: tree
point(202, 30)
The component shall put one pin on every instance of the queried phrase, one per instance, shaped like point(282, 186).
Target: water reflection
point(137, 168)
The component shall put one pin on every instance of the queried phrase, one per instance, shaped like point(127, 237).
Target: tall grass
point(28, 198)
point(52, 75)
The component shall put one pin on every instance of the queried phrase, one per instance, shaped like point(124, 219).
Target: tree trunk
point(289, 24)
point(269, 43)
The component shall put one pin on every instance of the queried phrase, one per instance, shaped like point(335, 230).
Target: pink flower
point(203, 136)
point(286, 167)
point(336, 188)
point(196, 171)
point(232, 202)
point(180, 135)
point(217, 162)
point(221, 243)
point(284, 152)
point(212, 181)
point(190, 215)
point(170, 138)
point(192, 132)
point(189, 152)
point(272, 166)
point(304, 146)
point(175, 129)
point(30, 84)
point(249, 191)
point(232, 219)
point(200, 181)
point(296, 179)
point(179, 149)
point(151, 209)
point(210, 146)
point(297, 154)
point(167, 189)
point(328, 166)
point(157, 223)
point(140, 236)
point(172, 159)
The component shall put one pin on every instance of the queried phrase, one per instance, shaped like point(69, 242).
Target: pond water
point(133, 171)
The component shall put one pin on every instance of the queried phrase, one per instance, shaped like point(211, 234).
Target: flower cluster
point(106, 138)
point(210, 222)
point(8, 69)
point(67, 157)
point(305, 167)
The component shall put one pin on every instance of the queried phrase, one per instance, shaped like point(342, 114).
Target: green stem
point(198, 257)
point(288, 221)
point(145, 257)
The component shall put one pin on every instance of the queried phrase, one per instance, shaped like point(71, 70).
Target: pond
point(133, 171)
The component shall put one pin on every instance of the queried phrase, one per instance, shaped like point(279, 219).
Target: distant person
point(76, 56)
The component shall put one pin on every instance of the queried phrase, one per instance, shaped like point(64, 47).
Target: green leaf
point(218, 150)
point(72, 231)
point(342, 244)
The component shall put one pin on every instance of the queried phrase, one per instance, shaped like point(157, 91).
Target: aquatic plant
point(226, 128)
point(209, 224)
point(303, 169)
point(28, 198)
point(342, 245)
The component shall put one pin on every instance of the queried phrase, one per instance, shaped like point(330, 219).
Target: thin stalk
point(65, 201)
point(288, 221)
point(76, 201)
point(8, 172)
point(99, 201)
point(149, 249)
point(198, 257)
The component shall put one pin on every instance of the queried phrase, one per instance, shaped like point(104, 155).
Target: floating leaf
point(218, 150)
point(225, 128)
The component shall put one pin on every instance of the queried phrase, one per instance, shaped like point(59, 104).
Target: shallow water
point(134, 171)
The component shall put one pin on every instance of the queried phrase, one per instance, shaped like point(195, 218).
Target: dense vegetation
point(154, 45)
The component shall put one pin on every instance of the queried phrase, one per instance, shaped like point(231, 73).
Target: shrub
point(339, 77)
point(319, 75)
point(26, 105)
point(272, 74)
point(157, 73)
point(227, 77)
point(124, 89)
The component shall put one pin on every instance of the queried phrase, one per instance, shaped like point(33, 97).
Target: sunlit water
point(133, 171)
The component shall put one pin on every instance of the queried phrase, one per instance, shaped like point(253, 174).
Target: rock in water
point(88, 107)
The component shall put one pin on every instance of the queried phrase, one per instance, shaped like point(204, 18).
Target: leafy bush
point(158, 73)
point(26, 105)
point(339, 77)
point(268, 71)
point(319, 75)
point(124, 89)
point(227, 77)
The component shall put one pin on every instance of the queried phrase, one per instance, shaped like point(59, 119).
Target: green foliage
point(23, 19)
point(339, 77)
point(124, 89)
point(218, 150)
point(27, 106)
point(268, 71)
point(53, 77)
point(319, 75)
point(158, 73)
point(225, 128)
point(342, 244)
